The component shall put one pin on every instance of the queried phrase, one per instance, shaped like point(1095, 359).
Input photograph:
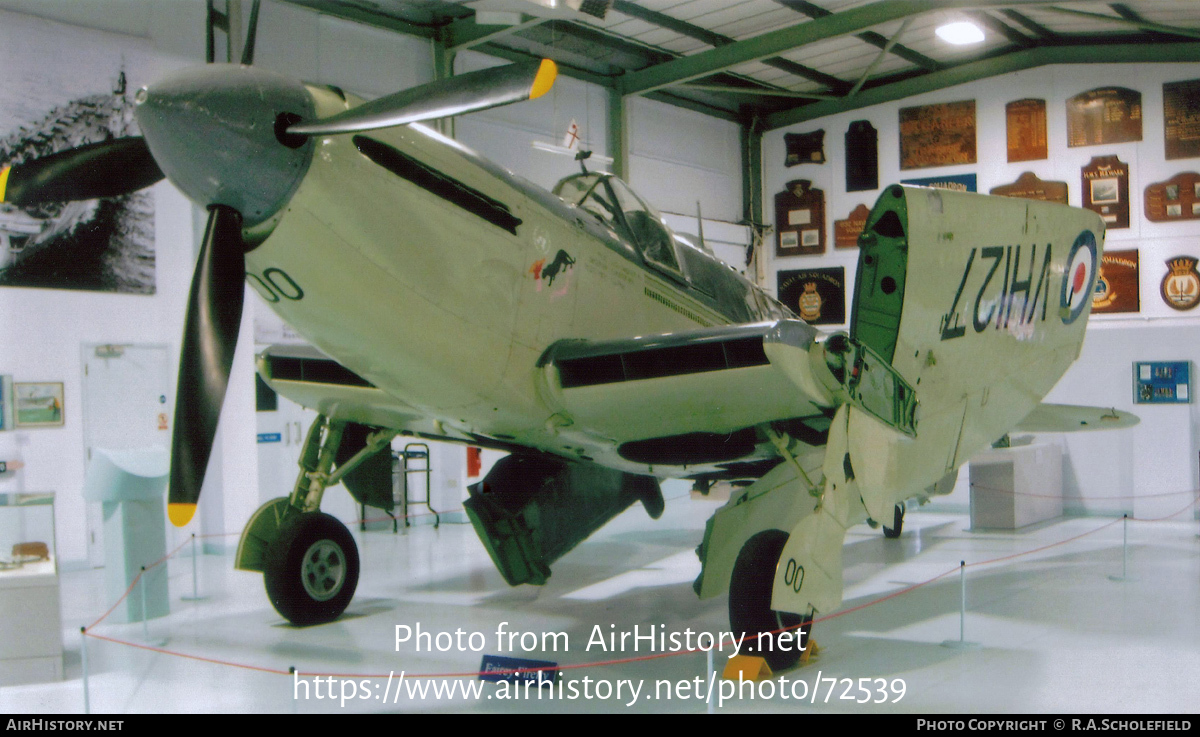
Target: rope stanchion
point(595, 664)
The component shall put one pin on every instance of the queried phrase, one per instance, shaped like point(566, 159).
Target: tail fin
point(979, 303)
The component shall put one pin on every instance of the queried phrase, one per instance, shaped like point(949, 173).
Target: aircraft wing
point(693, 397)
point(1074, 418)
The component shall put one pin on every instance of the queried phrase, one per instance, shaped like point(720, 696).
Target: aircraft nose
point(217, 132)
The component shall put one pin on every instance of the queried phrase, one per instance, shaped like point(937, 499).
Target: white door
point(126, 390)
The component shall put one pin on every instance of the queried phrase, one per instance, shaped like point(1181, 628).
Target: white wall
point(1113, 472)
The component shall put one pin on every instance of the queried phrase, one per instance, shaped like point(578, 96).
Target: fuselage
point(441, 279)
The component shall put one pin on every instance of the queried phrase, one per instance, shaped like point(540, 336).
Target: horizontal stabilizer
point(1074, 418)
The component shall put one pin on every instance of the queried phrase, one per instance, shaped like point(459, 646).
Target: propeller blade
point(106, 169)
point(467, 93)
point(209, 339)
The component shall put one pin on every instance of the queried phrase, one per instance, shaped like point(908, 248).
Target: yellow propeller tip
point(544, 80)
point(181, 514)
point(4, 180)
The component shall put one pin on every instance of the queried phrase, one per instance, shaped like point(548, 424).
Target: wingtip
point(181, 513)
point(547, 72)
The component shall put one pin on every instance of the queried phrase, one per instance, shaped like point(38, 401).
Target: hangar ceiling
point(772, 63)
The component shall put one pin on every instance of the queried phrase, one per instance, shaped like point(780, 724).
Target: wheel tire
point(750, 601)
point(311, 569)
point(897, 524)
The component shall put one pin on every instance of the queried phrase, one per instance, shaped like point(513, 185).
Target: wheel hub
point(324, 570)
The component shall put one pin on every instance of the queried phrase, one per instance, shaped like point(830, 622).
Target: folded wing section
point(703, 396)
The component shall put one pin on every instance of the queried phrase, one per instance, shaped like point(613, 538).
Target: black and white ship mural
point(101, 245)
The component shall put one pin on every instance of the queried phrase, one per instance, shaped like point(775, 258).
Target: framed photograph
point(1174, 211)
point(789, 239)
point(38, 405)
point(810, 238)
point(1105, 190)
point(799, 217)
point(1171, 191)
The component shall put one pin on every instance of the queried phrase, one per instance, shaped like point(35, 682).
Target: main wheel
point(750, 603)
point(897, 523)
point(311, 569)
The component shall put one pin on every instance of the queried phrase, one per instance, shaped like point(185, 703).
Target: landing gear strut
point(750, 604)
point(308, 559)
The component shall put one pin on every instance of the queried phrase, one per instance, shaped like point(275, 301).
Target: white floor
point(1054, 632)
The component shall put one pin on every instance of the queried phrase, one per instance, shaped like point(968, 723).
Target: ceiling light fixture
point(960, 33)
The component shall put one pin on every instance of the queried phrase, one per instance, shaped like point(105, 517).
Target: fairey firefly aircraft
point(452, 300)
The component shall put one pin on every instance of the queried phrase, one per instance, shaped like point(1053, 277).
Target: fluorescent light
point(960, 33)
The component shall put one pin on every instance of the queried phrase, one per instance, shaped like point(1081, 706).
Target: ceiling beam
point(1141, 23)
point(998, 26)
point(345, 11)
point(1030, 24)
point(465, 33)
point(782, 40)
point(871, 37)
point(713, 38)
point(976, 70)
point(895, 39)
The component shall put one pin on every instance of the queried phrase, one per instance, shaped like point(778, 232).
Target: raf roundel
point(1079, 277)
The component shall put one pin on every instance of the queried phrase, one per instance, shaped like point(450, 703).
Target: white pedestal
point(31, 634)
point(1015, 487)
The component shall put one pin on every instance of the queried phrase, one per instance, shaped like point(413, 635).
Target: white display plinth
point(30, 618)
point(1015, 487)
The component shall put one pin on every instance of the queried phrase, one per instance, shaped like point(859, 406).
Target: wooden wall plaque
point(1178, 198)
point(818, 296)
point(1181, 119)
point(862, 157)
point(846, 232)
point(804, 148)
point(1117, 285)
point(1104, 115)
point(937, 135)
point(1180, 286)
point(1026, 124)
point(1106, 190)
point(1029, 187)
point(800, 220)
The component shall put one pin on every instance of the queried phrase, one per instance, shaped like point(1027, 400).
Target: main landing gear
point(308, 559)
point(750, 609)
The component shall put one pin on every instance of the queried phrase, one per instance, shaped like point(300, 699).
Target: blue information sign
point(1162, 382)
point(270, 437)
point(498, 668)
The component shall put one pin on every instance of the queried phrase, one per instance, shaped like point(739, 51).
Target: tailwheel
point(897, 523)
point(311, 569)
point(750, 604)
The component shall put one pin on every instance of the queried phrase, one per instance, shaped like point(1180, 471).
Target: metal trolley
point(414, 459)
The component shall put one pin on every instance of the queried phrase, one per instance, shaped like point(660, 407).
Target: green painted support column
point(443, 68)
point(618, 133)
point(752, 181)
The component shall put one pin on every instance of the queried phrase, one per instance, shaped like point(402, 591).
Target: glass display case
point(31, 638)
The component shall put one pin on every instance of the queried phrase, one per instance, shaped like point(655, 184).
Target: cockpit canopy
point(612, 201)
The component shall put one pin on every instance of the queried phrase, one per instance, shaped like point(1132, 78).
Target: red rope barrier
point(595, 664)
